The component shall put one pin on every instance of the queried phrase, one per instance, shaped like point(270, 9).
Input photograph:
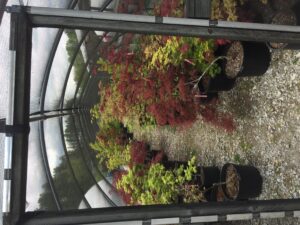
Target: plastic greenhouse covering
point(64, 172)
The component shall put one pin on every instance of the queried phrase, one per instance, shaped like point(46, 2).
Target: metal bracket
point(159, 19)
point(185, 220)
point(7, 174)
point(146, 222)
point(9, 130)
point(213, 23)
point(14, 9)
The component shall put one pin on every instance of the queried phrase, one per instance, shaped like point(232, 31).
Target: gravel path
point(267, 113)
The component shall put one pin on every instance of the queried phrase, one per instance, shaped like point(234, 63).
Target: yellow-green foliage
point(110, 148)
point(156, 185)
point(112, 154)
point(110, 145)
point(177, 50)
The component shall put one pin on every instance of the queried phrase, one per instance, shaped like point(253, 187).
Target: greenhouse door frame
point(24, 19)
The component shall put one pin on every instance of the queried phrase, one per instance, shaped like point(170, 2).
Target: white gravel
point(267, 113)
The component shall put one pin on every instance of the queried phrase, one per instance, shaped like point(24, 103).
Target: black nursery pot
point(250, 181)
point(213, 85)
point(207, 176)
point(211, 194)
point(210, 176)
point(256, 58)
point(215, 194)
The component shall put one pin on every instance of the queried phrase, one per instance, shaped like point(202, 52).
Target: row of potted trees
point(188, 183)
point(168, 182)
point(143, 176)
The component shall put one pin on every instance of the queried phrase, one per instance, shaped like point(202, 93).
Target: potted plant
point(155, 184)
point(244, 58)
point(214, 85)
point(240, 182)
point(140, 153)
point(112, 144)
point(205, 177)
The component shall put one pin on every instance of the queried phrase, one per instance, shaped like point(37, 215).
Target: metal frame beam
point(193, 212)
point(47, 17)
point(21, 32)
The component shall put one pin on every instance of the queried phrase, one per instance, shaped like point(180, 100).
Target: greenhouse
point(150, 112)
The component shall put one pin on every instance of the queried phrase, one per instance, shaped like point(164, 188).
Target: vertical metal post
point(21, 44)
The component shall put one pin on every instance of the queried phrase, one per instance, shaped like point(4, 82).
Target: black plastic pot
point(211, 194)
point(210, 176)
point(180, 199)
point(256, 59)
point(213, 85)
point(210, 97)
point(250, 182)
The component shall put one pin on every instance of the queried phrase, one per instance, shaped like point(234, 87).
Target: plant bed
point(246, 59)
point(241, 182)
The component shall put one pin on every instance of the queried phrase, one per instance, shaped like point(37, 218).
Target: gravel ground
point(266, 111)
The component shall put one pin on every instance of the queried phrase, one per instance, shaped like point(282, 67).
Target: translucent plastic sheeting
point(37, 182)
point(69, 194)
point(42, 42)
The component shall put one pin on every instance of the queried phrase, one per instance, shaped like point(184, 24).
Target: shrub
point(155, 184)
point(112, 144)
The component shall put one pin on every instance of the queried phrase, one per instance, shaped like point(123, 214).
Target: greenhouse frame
point(24, 19)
